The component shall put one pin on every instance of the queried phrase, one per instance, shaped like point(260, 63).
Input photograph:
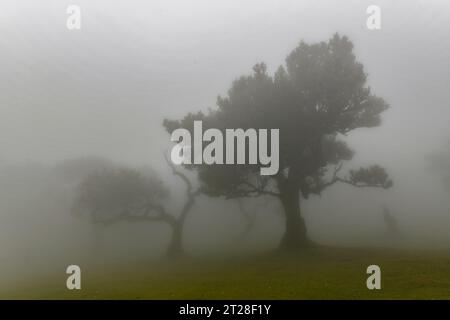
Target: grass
point(321, 273)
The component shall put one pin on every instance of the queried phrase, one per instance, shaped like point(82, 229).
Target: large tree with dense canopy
point(318, 97)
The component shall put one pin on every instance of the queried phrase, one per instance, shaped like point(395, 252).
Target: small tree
point(318, 97)
point(118, 194)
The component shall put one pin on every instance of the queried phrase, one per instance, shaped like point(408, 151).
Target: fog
point(104, 91)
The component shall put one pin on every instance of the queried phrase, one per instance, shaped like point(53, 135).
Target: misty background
point(104, 91)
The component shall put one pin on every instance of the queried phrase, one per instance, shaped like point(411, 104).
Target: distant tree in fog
point(115, 194)
point(391, 224)
point(317, 98)
point(439, 164)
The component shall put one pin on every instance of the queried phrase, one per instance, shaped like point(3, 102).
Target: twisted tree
point(318, 97)
point(115, 194)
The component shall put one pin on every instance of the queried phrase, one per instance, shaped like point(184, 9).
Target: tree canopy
point(116, 194)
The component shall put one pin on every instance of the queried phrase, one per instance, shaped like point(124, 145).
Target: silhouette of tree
point(391, 224)
point(316, 99)
point(121, 194)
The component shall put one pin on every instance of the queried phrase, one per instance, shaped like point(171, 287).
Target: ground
point(320, 273)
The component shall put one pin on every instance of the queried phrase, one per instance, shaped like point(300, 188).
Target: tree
point(391, 224)
point(316, 99)
point(439, 163)
point(120, 194)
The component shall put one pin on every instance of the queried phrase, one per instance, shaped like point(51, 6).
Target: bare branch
point(373, 177)
point(259, 190)
point(191, 194)
point(176, 172)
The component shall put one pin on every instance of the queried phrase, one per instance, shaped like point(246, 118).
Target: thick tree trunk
point(295, 236)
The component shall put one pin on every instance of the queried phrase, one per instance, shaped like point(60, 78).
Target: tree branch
point(260, 190)
point(374, 177)
point(191, 194)
point(182, 176)
point(161, 215)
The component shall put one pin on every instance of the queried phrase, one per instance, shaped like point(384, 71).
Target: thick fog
point(104, 91)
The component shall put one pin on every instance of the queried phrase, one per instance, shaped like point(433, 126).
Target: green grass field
point(316, 274)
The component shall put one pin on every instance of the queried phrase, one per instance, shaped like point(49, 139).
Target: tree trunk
point(175, 248)
point(295, 236)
